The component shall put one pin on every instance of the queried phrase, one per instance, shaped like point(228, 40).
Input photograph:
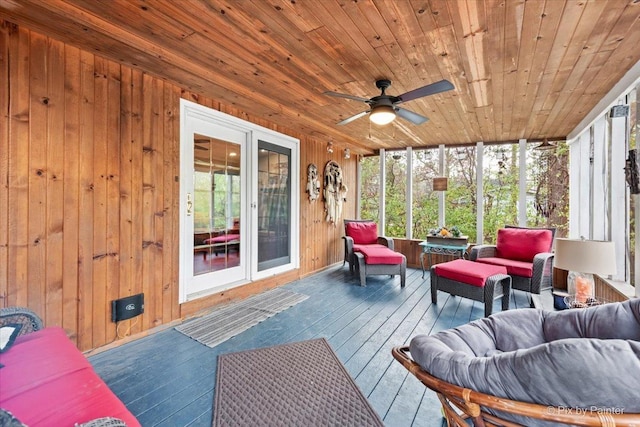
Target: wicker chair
point(460, 404)
point(542, 263)
point(351, 245)
point(576, 367)
point(29, 321)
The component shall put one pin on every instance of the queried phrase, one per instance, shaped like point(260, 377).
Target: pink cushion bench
point(47, 381)
point(474, 280)
point(377, 259)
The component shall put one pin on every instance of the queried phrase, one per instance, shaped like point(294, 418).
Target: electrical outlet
point(126, 308)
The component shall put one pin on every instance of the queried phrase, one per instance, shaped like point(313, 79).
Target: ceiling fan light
point(382, 114)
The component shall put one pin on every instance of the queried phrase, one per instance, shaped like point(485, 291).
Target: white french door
point(213, 179)
point(239, 219)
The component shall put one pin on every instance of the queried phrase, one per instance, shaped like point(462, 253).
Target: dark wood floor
point(167, 379)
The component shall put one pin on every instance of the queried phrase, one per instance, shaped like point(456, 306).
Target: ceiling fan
point(384, 108)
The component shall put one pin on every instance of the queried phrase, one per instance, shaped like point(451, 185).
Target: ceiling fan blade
point(432, 89)
point(344, 95)
point(414, 118)
point(352, 118)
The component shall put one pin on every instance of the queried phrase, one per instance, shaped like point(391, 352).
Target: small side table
point(436, 248)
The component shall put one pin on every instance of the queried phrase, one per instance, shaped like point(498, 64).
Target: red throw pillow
point(362, 233)
point(522, 244)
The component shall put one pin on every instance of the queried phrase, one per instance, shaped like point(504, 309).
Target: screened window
point(547, 204)
point(460, 201)
point(396, 194)
point(500, 188)
point(425, 200)
point(548, 187)
point(370, 187)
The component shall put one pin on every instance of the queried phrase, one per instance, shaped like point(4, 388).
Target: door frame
point(249, 227)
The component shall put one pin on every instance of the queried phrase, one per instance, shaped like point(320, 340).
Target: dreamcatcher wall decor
point(313, 184)
point(335, 192)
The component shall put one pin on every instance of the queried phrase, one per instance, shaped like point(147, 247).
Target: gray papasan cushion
point(578, 358)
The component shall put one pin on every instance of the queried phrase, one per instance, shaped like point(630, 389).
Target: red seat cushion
point(514, 268)
point(222, 239)
point(522, 244)
point(379, 254)
point(357, 248)
point(469, 272)
point(47, 381)
point(362, 233)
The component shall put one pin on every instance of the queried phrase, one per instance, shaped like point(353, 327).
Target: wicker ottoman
point(380, 260)
point(473, 280)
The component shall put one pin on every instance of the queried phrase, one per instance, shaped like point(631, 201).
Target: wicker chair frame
point(541, 278)
point(460, 404)
point(542, 269)
point(349, 255)
point(29, 320)
point(104, 422)
point(496, 286)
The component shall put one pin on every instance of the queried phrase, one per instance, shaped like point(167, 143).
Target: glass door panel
point(274, 206)
point(213, 251)
point(216, 200)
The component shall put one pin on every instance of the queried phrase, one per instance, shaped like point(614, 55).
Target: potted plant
point(450, 236)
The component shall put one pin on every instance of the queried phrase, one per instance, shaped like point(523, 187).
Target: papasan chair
point(535, 368)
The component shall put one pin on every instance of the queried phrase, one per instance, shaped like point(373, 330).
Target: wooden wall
point(411, 249)
point(89, 160)
point(605, 292)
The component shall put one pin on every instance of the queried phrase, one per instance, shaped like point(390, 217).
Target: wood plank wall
point(606, 292)
point(412, 250)
point(89, 159)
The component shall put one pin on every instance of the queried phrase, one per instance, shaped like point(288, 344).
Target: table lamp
point(583, 259)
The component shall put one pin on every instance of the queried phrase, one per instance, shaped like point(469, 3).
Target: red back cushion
point(523, 244)
point(362, 233)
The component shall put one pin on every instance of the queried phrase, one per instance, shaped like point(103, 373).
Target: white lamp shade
point(382, 114)
point(585, 256)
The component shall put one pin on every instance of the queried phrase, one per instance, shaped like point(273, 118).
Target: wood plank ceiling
point(521, 69)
